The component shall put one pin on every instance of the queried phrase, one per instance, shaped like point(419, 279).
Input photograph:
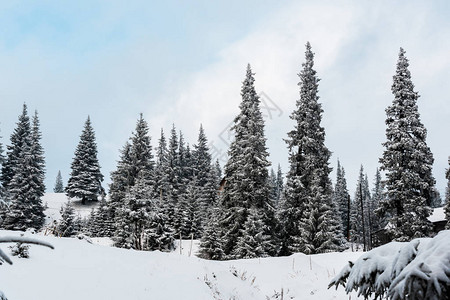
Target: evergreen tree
point(377, 197)
point(26, 186)
point(360, 212)
point(2, 161)
point(141, 153)
point(447, 196)
point(246, 173)
point(308, 215)
point(342, 198)
point(66, 226)
point(407, 161)
point(256, 241)
point(59, 187)
point(280, 185)
point(102, 221)
point(85, 178)
point(273, 187)
point(211, 243)
point(173, 180)
point(190, 211)
point(158, 234)
point(162, 181)
point(19, 137)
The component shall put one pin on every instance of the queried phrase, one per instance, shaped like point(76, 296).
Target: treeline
point(155, 199)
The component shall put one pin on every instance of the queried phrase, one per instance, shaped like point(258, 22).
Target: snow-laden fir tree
point(211, 243)
point(342, 198)
point(2, 161)
point(273, 187)
point(190, 208)
point(135, 212)
point(309, 221)
point(85, 178)
point(19, 137)
point(162, 182)
point(141, 154)
point(246, 174)
point(158, 234)
point(407, 161)
point(59, 187)
point(101, 223)
point(26, 187)
point(207, 181)
point(280, 185)
point(256, 241)
point(360, 229)
point(172, 174)
point(66, 226)
point(447, 196)
point(378, 195)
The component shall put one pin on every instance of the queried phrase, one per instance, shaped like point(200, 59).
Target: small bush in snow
point(20, 250)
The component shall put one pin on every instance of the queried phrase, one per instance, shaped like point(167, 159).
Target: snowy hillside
point(54, 202)
point(76, 269)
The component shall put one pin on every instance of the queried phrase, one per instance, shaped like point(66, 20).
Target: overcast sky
point(183, 62)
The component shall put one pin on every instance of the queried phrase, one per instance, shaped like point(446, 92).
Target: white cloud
point(356, 50)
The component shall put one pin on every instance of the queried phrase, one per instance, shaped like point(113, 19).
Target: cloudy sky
point(183, 62)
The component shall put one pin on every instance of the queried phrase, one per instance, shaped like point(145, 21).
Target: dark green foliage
point(310, 219)
point(407, 161)
point(246, 173)
point(59, 187)
point(66, 226)
point(85, 179)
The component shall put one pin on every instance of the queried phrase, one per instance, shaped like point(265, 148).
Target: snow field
point(77, 269)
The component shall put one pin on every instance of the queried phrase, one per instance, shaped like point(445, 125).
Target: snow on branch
point(24, 240)
point(415, 270)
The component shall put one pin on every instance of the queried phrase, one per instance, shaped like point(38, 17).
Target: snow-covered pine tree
point(342, 198)
point(211, 243)
point(21, 135)
point(207, 181)
point(447, 196)
point(407, 161)
point(102, 221)
point(307, 211)
point(136, 211)
point(2, 161)
point(360, 212)
point(436, 200)
point(85, 178)
point(256, 241)
point(273, 187)
point(280, 185)
point(66, 226)
point(59, 187)
point(377, 196)
point(158, 234)
point(26, 187)
point(141, 153)
point(36, 180)
point(190, 210)
point(246, 173)
point(162, 182)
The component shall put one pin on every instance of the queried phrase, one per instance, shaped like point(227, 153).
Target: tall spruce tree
point(246, 174)
point(19, 137)
point(378, 195)
point(360, 212)
point(2, 161)
point(85, 177)
point(342, 198)
point(308, 215)
point(407, 161)
point(26, 187)
point(59, 187)
point(447, 196)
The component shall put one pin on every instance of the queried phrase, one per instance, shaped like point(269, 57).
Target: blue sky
point(183, 63)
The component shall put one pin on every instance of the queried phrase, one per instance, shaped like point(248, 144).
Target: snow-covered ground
point(77, 269)
point(54, 202)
